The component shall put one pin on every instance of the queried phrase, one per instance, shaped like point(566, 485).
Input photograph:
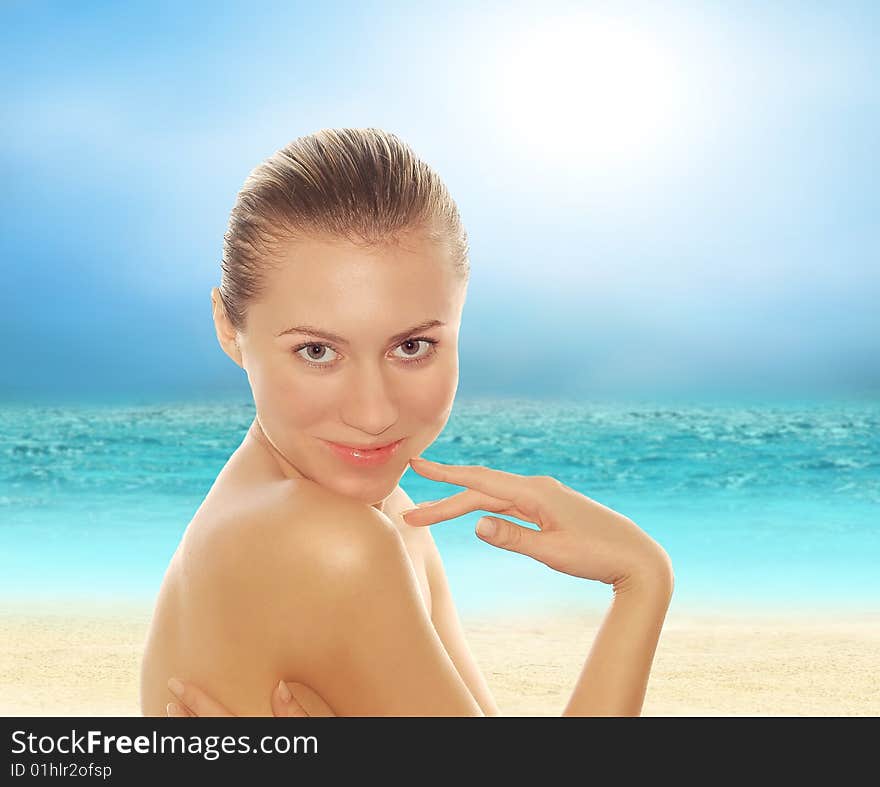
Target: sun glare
point(589, 85)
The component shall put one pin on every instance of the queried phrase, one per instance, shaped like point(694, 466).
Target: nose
point(369, 404)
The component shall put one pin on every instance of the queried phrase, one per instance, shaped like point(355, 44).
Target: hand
point(288, 699)
point(577, 535)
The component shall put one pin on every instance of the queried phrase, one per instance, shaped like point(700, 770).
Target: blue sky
point(675, 201)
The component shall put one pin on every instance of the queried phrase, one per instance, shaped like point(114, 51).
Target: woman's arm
point(448, 624)
point(579, 536)
point(612, 681)
point(376, 650)
point(320, 592)
point(378, 653)
point(614, 678)
point(445, 617)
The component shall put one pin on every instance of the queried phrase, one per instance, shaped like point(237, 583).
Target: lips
point(364, 457)
point(375, 447)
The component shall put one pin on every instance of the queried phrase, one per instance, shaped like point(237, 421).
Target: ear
point(226, 333)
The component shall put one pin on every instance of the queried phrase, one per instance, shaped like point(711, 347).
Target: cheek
point(286, 400)
point(431, 399)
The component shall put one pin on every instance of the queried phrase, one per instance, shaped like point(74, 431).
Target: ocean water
point(760, 507)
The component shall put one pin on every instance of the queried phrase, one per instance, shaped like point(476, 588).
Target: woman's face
point(384, 379)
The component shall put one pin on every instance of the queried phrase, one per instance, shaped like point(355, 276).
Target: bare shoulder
point(326, 586)
point(296, 530)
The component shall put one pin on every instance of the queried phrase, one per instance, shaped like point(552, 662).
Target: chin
point(371, 491)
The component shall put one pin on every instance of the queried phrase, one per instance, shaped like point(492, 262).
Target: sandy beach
point(66, 662)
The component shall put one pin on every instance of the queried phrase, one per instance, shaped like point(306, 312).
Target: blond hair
point(365, 186)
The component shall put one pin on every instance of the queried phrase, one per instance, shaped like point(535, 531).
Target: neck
point(287, 467)
point(256, 432)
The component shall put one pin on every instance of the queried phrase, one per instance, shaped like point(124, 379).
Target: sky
point(662, 199)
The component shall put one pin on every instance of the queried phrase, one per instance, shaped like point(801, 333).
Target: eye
point(314, 352)
point(411, 347)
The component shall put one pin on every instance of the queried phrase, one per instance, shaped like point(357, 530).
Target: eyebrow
point(332, 337)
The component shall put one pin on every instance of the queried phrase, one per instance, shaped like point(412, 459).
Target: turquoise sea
point(764, 507)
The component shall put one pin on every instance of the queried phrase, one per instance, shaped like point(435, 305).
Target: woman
point(345, 272)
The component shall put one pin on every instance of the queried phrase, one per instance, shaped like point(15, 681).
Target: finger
point(497, 483)
point(310, 700)
point(175, 710)
point(284, 703)
point(426, 503)
point(456, 506)
point(417, 506)
point(195, 699)
point(510, 536)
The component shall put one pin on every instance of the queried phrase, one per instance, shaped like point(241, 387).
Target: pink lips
point(364, 457)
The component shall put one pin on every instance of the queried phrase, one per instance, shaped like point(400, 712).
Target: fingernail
point(408, 511)
point(486, 528)
point(172, 709)
point(175, 687)
point(284, 692)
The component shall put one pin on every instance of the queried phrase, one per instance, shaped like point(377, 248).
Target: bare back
point(217, 615)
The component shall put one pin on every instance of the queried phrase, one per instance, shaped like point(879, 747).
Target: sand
point(57, 661)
